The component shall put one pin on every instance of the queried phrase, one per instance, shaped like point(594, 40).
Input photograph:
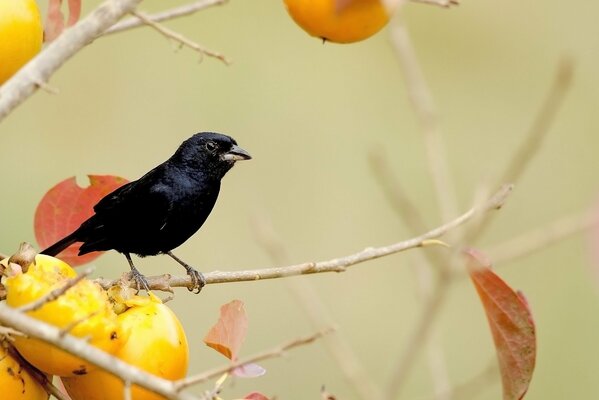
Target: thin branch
point(338, 346)
point(418, 337)
point(440, 3)
point(165, 282)
point(172, 13)
point(37, 375)
point(538, 131)
point(176, 36)
point(423, 104)
point(79, 347)
point(540, 238)
point(276, 352)
point(542, 122)
point(56, 293)
point(39, 70)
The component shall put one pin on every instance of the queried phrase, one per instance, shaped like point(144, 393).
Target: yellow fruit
point(16, 383)
point(337, 20)
point(84, 310)
point(157, 344)
point(21, 35)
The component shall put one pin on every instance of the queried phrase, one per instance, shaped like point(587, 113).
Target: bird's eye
point(210, 146)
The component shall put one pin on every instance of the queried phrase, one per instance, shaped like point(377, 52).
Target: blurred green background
point(310, 114)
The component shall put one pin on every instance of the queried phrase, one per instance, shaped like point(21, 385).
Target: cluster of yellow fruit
point(141, 331)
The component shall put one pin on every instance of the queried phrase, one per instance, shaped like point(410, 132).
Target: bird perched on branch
point(162, 209)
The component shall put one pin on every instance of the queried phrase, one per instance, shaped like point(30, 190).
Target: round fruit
point(157, 344)
point(84, 310)
point(16, 382)
point(21, 35)
point(341, 21)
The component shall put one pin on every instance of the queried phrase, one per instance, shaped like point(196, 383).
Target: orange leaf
point(227, 335)
point(255, 396)
point(511, 324)
point(55, 19)
point(64, 207)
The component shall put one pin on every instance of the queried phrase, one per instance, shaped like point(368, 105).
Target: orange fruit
point(156, 344)
point(84, 308)
point(21, 35)
point(340, 21)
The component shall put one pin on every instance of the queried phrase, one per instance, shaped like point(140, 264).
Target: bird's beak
point(236, 154)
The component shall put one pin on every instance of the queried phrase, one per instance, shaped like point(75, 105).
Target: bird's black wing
point(129, 218)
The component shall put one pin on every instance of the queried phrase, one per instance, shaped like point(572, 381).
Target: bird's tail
point(60, 245)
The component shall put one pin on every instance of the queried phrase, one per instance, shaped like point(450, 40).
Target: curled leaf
point(511, 325)
point(64, 207)
point(228, 334)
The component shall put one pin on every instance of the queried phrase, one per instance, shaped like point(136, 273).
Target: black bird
point(162, 209)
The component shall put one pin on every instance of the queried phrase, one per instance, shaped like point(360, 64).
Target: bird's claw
point(140, 281)
point(197, 279)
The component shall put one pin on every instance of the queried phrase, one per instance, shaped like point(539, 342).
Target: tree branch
point(79, 347)
point(39, 70)
point(277, 351)
point(172, 13)
point(166, 282)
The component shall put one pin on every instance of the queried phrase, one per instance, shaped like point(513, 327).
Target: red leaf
point(55, 19)
point(255, 396)
point(511, 324)
point(227, 335)
point(248, 371)
point(64, 207)
point(74, 12)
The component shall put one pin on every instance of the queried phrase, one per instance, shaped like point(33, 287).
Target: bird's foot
point(140, 280)
point(197, 278)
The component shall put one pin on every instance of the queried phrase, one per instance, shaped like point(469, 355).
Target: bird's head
point(211, 152)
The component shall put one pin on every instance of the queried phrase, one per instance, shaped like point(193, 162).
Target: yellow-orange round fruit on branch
point(16, 383)
point(21, 35)
point(341, 21)
point(157, 344)
point(83, 310)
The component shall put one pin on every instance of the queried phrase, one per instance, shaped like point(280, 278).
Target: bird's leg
point(137, 276)
point(197, 278)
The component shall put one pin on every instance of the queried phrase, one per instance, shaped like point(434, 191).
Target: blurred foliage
point(309, 114)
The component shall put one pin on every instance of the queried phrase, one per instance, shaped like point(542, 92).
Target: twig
point(425, 109)
point(172, 13)
point(539, 238)
point(164, 282)
point(539, 129)
point(309, 299)
point(39, 70)
point(276, 352)
point(170, 34)
point(50, 334)
point(56, 293)
point(440, 3)
point(37, 375)
point(418, 337)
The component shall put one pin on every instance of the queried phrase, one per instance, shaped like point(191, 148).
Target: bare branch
point(39, 70)
point(276, 352)
point(540, 238)
point(172, 13)
point(165, 282)
point(182, 40)
point(79, 347)
point(440, 3)
point(425, 109)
